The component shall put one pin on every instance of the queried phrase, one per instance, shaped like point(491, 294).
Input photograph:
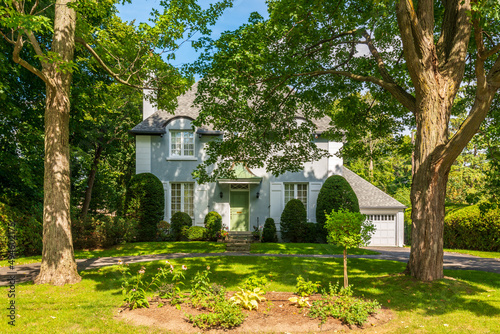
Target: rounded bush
point(145, 202)
point(293, 220)
point(196, 233)
point(336, 193)
point(177, 222)
point(469, 228)
point(269, 231)
point(213, 224)
point(163, 231)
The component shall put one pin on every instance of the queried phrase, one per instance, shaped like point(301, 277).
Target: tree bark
point(346, 282)
point(90, 181)
point(58, 264)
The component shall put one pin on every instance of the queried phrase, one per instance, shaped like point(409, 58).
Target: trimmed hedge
point(467, 228)
point(213, 224)
point(196, 233)
point(293, 220)
point(145, 202)
point(179, 223)
point(102, 231)
point(269, 231)
point(336, 193)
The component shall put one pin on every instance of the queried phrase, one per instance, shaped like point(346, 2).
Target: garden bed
point(276, 314)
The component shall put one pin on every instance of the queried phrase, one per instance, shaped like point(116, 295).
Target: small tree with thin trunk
point(349, 230)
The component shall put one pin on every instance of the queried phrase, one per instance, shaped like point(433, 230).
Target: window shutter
point(201, 204)
point(276, 203)
point(314, 188)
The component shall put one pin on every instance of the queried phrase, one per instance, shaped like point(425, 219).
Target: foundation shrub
point(196, 233)
point(179, 225)
point(269, 231)
point(293, 221)
point(213, 224)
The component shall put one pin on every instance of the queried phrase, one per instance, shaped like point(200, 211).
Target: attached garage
point(386, 213)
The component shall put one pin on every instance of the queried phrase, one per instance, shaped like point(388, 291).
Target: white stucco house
point(168, 146)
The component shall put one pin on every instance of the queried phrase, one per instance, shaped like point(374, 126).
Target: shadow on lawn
point(373, 279)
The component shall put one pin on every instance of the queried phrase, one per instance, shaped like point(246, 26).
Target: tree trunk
point(58, 264)
point(90, 181)
point(346, 283)
point(428, 190)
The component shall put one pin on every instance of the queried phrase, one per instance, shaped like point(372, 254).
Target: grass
point(468, 303)
point(137, 248)
point(493, 255)
point(320, 249)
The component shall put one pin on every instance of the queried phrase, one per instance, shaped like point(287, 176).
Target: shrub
point(335, 194)
point(28, 231)
point(306, 288)
point(269, 231)
point(196, 233)
point(102, 231)
point(213, 224)
point(467, 228)
point(179, 221)
point(145, 202)
point(293, 219)
point(163, 231)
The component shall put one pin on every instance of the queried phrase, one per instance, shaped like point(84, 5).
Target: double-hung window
point(297, 191)
point(182, 143)
point(182, 198)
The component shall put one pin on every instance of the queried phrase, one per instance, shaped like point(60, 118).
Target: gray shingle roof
point(155, 124)
point(368, 195)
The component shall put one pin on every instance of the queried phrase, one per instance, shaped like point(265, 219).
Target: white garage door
point(385, 233)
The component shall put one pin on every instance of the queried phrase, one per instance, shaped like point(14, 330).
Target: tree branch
point(396, 91)
point(17, 59)
point(106, 68)
point(380, 63)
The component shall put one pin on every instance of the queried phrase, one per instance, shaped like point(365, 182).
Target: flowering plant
point(224, 232)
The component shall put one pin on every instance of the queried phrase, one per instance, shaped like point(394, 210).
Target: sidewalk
point(28, 272)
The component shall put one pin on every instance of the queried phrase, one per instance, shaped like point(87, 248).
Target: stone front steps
point(238, 241)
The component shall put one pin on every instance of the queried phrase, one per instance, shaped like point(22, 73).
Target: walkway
point(28, 272)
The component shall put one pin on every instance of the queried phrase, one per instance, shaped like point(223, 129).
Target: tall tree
point(26, 24)
point(417, 57)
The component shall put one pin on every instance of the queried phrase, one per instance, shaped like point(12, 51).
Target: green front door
point(239, 211)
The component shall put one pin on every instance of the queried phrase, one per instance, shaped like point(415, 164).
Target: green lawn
point(289, 248)
point(493, 255)
point(468, 303)
point(138, 248)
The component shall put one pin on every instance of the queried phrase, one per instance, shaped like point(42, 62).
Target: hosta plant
point(248, 299)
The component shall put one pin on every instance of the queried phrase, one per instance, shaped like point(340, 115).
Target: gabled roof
point(369, 196)
point(155, 124)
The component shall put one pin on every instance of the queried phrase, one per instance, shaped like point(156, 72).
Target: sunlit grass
point(308, 249)
point(138, 248)
point(470, 303)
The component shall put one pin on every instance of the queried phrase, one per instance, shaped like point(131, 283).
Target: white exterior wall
point(334, 162)
point(142, 154)
point(147, 107)
point(388, 232)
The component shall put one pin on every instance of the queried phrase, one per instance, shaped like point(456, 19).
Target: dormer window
point(181, 144)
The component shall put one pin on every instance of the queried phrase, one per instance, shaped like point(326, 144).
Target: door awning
point(243, 176)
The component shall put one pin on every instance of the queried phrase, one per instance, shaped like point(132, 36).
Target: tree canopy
point(422, 62)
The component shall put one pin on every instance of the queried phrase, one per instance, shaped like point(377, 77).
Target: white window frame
point(182, 147)
point(182, 198)
point(296, 192)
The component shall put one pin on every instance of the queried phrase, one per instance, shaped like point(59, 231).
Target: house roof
point(155, 124)
point(243, 175)
point(369, 196)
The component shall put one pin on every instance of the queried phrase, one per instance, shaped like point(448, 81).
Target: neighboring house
point(168, 146)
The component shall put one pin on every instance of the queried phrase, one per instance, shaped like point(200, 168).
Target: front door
point(239, 210)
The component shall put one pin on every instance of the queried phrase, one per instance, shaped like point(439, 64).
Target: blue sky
point(232, 18)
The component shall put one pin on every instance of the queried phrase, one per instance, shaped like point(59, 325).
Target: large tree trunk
point(428, 190)
point(90, 181)
point(58, 263)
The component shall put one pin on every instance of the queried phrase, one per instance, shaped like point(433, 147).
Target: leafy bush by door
point(145, 202)
point(213, 224)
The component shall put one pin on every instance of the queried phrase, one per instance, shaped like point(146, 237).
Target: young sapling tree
point(349, 230)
